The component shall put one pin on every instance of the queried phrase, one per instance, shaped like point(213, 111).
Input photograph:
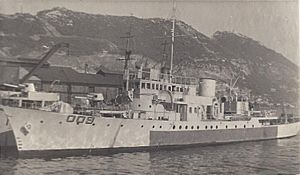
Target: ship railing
point(156, 115)
point(24, 104)
point(175, 79)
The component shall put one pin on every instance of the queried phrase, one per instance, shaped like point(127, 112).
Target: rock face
point(96, 40)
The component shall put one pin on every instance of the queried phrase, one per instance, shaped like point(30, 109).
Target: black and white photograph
point(92, 87)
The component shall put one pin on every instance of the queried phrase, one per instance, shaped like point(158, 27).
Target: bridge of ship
point(161, 96)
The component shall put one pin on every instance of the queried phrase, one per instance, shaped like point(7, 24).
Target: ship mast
point(173, 38)
point(127, 57)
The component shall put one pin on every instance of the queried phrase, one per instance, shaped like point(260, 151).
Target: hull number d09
point(80, 119)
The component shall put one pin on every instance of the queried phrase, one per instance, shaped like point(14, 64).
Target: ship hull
point(6, 133)
point(38, 132)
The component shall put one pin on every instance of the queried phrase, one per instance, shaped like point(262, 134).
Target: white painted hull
point(288, 130)
point(45, 131)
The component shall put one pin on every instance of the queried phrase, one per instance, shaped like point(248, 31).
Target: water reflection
point(263, 157)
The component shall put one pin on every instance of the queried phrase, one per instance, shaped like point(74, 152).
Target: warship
point(157, 112)
point(155, 109)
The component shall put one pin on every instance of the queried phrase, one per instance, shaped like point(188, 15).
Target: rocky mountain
point(97, 40)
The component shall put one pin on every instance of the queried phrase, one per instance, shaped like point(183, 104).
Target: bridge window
point(181, 89)
point(252, 126)
point(226, 126)
point(165, 87)
point(195, 110)
point(235, 126)
point(177, 107)
point(143, 85)
point(186, 127)
point(192, 127)
point(211, 127)
point(157, 86)
point(186, 90)
point(191, 109)
point(180, 127)
point(148, 85)
point(173, 88)
point(153, 86)
point(197, 127)
point(160, 87)
point(244, 126)
point(174, 127)
point(169, 88)
point(177, 89)
point(205, 127)
point(216, 126)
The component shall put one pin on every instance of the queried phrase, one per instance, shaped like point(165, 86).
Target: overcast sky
point(275, 23)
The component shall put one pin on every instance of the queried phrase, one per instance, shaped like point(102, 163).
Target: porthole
point(186, 127)
point(197, 127)
point(60, 122)
point(205, 127)
point(139, 105)
point(235, 126)
point(180, 127)
point(211, 127)
point(226, 126)
point(216, 126)
point(93, 124)
point(252, 126)
point(192, 127)
point(108, 125)
point(150, 106)
point(174, 127)
point(153, 126)
point(160, 126)
point(244, 126)
point(142, 126)
point(41, 121)
point(122, 125)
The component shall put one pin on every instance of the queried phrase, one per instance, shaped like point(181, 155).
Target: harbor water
point(262, 157)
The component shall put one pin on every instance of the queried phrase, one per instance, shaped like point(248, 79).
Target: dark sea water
point(262, 157)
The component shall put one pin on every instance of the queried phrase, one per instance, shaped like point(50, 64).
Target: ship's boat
point(157, 111)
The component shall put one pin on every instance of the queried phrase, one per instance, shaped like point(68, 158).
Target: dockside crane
point(54, 49)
